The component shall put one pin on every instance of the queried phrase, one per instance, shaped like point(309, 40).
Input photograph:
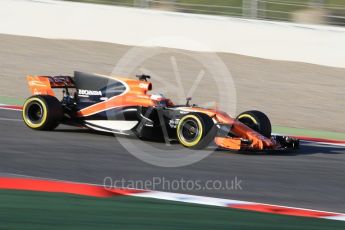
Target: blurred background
point(331, 12)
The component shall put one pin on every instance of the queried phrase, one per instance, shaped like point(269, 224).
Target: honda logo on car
point(89, 92)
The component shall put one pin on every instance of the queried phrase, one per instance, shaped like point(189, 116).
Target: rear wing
point(43, 85)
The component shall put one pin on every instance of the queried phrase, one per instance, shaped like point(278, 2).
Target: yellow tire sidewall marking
point(248, 116)
point(197, 140)
point(44, 108)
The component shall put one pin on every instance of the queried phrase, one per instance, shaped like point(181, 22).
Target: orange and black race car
point(121, 105)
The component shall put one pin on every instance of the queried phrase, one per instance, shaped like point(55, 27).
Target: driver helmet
point(159, 98)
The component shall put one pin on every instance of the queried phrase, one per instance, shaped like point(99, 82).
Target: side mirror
point(188, 99)
point(143, 77)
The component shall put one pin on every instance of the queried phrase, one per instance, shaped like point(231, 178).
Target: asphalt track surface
point(310, 178)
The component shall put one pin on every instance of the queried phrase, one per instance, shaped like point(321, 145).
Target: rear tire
point(256, 120)
point(42, 112)
point(196, 131)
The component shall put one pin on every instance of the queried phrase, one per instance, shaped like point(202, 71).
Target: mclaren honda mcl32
point(121, 105)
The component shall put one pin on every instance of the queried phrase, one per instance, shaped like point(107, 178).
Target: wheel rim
point(190, 130)
point(34, 113)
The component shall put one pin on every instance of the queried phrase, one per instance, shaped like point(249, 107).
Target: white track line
point(10, 109)
point(9, 119)
point(324, 143)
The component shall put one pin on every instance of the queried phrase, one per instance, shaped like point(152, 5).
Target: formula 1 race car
point(120, 105)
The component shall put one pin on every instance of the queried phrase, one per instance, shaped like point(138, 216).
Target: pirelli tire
point(42, 112)
point(256, 120)
point(196, 130)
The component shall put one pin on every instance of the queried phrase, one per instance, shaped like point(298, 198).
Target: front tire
point(256, 120)
point(196, 131)
point(42, 112)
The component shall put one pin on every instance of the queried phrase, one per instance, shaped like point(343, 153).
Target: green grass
point(275, 9)
point(309, 133)
point(36, 210)
point(11, 100)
